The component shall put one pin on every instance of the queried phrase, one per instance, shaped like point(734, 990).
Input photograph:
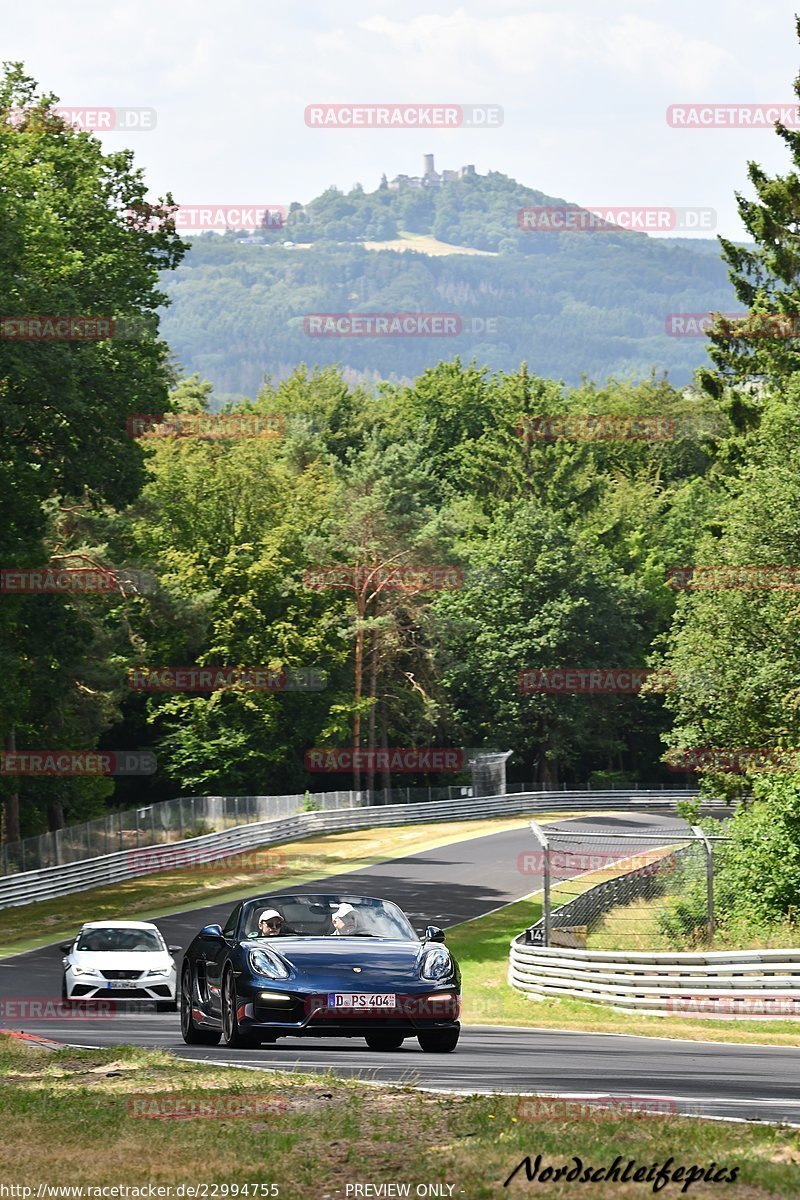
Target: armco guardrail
point(52, 882)
point(732, 983)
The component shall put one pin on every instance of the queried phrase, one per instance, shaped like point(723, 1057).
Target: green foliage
point(689, 810)
point(765, 278)
point(68, 249)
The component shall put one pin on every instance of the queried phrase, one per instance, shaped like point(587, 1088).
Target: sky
point(584, 90)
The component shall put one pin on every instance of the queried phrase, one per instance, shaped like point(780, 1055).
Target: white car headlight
point(264, 964)
point(437, 964)
point(90, 971)
point(157, 971)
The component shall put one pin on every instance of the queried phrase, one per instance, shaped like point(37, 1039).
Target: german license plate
point(120, 984)
point(361, 1000)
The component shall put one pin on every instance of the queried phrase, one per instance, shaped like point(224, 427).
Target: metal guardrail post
point(710, 919)
point(537, 832)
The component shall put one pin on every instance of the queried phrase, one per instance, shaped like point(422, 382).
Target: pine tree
point(762, 349)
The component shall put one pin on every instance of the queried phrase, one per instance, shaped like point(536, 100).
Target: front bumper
point(310, 1014)
point(136, 989)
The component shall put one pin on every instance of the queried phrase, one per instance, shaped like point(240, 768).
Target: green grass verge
point(70, 1118)
point(636, 927)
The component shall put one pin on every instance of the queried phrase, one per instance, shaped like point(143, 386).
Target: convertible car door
point(216, 955)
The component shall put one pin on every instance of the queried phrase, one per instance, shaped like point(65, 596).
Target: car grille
point(121, 974)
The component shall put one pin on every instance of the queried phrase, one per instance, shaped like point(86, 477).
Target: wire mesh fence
point(160, 824)
point(623, 890)
point(192, 816)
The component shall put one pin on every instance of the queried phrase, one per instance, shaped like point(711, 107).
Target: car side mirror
point(65, 947)
point(179, 949)
point(212, 932)
point(433, 934)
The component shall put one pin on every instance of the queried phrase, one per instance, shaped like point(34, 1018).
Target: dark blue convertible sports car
point(307, 965)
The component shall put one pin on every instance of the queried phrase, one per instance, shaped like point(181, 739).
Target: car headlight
point(157, 971)
point(91, 971)
point(264, 964)
point(437, 964)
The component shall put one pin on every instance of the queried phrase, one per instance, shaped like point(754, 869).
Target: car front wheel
point(232, 1035)
point(438, 1041)
point(189, 1031)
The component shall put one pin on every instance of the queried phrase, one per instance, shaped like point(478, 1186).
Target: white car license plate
point(361, 1000)
point(121, 984)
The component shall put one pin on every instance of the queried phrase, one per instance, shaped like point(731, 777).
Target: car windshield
point(116, 938)
point(313, 916)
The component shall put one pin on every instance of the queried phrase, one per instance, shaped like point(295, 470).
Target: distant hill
point(569, 303)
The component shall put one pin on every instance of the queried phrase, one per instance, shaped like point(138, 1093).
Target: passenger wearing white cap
point(345, 920)
point(270, 923)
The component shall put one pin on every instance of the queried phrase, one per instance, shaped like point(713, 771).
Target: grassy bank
point(93, 1118)
point(637, 927)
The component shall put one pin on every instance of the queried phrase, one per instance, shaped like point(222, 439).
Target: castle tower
point(427, 165)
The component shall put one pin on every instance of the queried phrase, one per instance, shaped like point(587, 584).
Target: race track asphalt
point(446, 886)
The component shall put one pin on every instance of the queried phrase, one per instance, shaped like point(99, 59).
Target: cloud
point(548, 41)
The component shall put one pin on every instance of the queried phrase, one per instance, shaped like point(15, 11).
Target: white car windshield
point(117, 939)
point(313, 916)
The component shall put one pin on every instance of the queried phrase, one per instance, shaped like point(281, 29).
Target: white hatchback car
point(120, 960)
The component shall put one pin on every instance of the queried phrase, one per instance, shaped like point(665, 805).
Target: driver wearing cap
point(345, 920)
point(271, 924)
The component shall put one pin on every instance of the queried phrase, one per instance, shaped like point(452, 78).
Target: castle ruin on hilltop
point(430, 177)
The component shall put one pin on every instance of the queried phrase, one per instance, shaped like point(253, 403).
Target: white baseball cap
point(345, 910)
point(268, 914)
